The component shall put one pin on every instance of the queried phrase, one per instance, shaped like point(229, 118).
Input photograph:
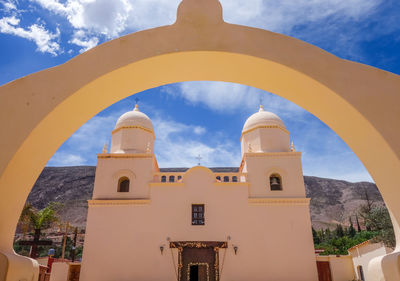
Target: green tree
point(316, 237)
point(352, 230)
point(39, 220)
point(367, 207)
point(328, 234)
point(378, 220)
point(339, 231)
point(358, 224)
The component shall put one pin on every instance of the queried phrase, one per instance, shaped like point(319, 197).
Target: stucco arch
point(40, 111)
point(124, 173)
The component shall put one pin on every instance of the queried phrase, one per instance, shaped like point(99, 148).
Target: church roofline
point(213, 169)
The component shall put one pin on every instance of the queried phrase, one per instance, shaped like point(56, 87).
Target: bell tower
point(125, 172)
point(272, 164)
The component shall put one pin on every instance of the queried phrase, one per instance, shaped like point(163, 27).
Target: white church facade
point(199, 224)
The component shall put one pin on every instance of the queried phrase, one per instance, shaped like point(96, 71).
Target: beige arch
point(40, 111)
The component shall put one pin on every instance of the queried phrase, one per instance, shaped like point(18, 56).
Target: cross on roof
point(137, 100)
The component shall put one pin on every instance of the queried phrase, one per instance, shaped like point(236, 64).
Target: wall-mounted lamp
point(162, 249)
point(235, 248)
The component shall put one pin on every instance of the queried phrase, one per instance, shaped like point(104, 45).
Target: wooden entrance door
point(198, 264)
point(324, 271)
point(199, 271)
point(198, 261)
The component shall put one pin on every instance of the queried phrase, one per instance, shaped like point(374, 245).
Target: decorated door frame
point(186, 246)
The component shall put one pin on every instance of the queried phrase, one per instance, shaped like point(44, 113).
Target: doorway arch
point(40, 111)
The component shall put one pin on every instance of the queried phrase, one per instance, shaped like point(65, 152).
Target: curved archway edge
point(40, 111)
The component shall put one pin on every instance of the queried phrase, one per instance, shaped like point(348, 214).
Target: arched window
point(179, 178)
point(234, 178)
point(171, 178)
point(123, 184)
point(163, 179)
point(218, 178)
point(275, 182)
point(226, 179)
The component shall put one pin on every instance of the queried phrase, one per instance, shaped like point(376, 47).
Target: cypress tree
point(316, 238)
point(339, 231)
point(327, 234)
point(352, 231)
point(358, 224)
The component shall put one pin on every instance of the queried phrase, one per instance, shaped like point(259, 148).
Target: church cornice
point(124, 155)
point(118, 202)
point(134, 127)
point(279, 201)
point(264, 127)
point(273, 154)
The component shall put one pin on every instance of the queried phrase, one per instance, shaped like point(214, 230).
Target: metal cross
point(199, 159)
point(137, 100)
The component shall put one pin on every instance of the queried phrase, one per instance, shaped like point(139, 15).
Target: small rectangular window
point(197, 214)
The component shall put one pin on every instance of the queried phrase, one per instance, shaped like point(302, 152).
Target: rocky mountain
point(332, 201)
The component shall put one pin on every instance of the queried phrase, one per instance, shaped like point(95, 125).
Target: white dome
point(262, 118)
point(134, 118)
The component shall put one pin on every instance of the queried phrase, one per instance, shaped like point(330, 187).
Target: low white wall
point(59, 271)
point(341, 267)
point(364, 254)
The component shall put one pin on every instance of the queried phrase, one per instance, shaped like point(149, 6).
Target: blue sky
point(203, 118)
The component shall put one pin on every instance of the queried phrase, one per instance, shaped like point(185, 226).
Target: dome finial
point(105, 148)
point(136, 105)
point(261, 108)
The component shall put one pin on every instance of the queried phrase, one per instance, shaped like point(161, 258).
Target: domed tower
point(272, 164)
point(133, 133)
point(125, 172)
point(265, 132)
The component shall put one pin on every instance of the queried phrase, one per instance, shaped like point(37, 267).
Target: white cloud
point(111, 18)
point(219, 96)
point(8, 5)
point(164, 127)
point(93, 134)
point(199, 130)
point(66, 159)
point(81, 39)
point(86, 142)
point(44, 39)
point(282, 16)
point(95, 20)
point(229, 97)
point(177, 146)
